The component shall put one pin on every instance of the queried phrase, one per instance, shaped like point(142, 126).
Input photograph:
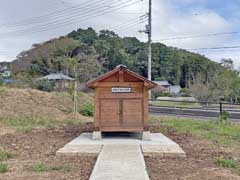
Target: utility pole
point(148, 31)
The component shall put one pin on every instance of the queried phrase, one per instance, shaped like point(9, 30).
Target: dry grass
point(34, 104)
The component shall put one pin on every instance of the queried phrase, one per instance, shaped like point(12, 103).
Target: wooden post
point(75, 100)
point(220, 108)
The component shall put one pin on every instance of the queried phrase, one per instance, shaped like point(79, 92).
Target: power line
point(197, 36)
point(220, 50)
point(71, 21)
point(56, 13)
point(128, 24)
point(64, 12)
point(213, 48)
point(73, 13)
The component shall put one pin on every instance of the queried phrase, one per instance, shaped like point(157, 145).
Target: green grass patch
point(27, 124)
point(228, 163)
point(3, 168)
point(176, 104)
point(64, 168)
point(4, 155)
point(73, 122)
point(223, 133)
point(41, 167)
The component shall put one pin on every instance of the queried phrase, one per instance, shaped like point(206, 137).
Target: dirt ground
point(40, 146)
point(198, 165)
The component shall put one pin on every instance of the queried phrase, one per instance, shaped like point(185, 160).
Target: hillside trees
point(101, 52)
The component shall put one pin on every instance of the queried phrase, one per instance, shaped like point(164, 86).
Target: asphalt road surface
point(203, 113)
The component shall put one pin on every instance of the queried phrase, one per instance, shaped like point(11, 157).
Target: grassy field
point(223, 135)
point(26, 124)
point(176, 104)
point(226, 134)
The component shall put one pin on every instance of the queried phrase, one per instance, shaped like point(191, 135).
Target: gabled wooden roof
point(121, 68)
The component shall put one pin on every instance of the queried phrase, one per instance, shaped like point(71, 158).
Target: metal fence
point(194, 108)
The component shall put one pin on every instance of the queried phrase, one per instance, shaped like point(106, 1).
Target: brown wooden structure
point(121, 101)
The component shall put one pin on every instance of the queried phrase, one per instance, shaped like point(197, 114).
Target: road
point(194, 112)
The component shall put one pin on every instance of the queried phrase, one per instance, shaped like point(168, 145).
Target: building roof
point(121, 68)
point(162, 83)
point(57, 76)
point(8, 81)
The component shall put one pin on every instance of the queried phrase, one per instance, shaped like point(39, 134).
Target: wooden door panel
point(132, 115)
point(109, 113)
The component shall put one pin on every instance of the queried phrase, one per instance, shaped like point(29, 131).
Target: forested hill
point(99, 52)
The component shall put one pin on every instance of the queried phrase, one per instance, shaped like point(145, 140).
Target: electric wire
point(73, 21)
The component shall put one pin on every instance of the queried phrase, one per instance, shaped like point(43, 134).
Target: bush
point(224, 117)
point(3, 167)
point(156, 94)
point(87, 109)
point(184, 92)
point(44, 85)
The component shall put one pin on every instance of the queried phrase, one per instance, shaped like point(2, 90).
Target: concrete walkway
point(120, 162)
point(160, 145)
point(121, 157)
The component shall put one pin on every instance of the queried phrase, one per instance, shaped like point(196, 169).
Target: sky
point(175, 23)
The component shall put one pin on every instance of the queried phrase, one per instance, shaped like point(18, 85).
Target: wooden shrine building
point(121, 101)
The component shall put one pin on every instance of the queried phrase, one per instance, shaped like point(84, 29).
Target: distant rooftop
point(57, 76)
point(162, 83)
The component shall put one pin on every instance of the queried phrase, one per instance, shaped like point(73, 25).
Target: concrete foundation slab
point(78, 150)
point(96, 135)
point(146, 136)
point(159, 144)
point(120, 162)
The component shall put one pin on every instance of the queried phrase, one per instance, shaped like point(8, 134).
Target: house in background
point(61, 81)
point(5, 70)
point(175, 89)
point(167, 87)
point(164, 84)
point(6, 74)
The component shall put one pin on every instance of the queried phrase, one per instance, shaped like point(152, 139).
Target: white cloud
point(169, 20)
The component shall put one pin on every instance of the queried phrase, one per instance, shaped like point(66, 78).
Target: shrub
point(224, 117)
point(156, 94)
point(3, 168)
point(44, 85)
point(87, 109)
point(184, 92)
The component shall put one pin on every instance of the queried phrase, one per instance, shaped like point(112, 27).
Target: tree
point(227, 63)
point(88, 36)
point(98, 53)
point(73, 62)
point(44, 58)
